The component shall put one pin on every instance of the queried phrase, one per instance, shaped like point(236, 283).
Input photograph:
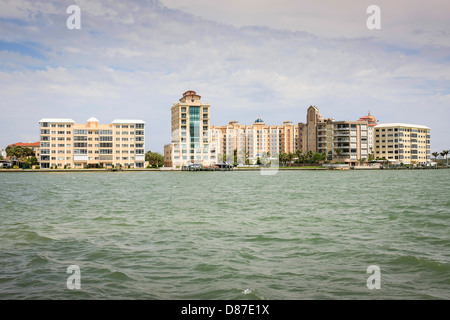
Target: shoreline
point(179, 170)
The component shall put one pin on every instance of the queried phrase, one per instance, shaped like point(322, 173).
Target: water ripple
point(236, 235)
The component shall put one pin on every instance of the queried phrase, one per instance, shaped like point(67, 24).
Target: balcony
point(83, 157)
point(343, 139)
point(342, 133)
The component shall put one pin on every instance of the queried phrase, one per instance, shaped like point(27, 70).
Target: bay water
point(225, 235)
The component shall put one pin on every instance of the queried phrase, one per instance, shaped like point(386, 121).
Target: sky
point(248, 58)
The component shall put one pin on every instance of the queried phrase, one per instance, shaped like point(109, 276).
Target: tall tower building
point(372, 123)
point(190, 133)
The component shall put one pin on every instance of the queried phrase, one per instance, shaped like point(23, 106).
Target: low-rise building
point(34, 146)
point(403, 143)
point(66, 144)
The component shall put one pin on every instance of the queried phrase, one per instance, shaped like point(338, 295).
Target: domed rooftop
point(369, 118)
point(259, 120)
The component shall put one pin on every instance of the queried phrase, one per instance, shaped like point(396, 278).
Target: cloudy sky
point(248, 58)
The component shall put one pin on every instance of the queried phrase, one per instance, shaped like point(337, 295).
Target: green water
point(225, 235)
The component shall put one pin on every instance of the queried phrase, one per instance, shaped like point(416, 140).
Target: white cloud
point(135, 60)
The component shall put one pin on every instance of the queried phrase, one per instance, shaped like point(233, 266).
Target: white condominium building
point(66, 144)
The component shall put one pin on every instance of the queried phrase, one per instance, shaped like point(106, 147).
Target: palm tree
point(442, 154)
point(283, 157)
point(339, 153)
point(310, 155)
point(445, 153)
point(435, 154)
point(290, 157)
point(299, 155)
point(371, 155)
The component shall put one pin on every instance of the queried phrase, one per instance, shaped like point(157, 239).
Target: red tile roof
point(26, 145)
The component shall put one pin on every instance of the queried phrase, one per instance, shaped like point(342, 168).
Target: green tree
point(446, 155)
point(32, 161)
point(290, 157)
point(28, 152)
point(10, 152)
point(283, 158)
point(1, 157)
point(309, 156)
point(299, 155)
point(246, 157)
point(435, 154)
point(19, 153)
point(317, 157)
point(154, 159)
point(371, 154)
point(339, 153)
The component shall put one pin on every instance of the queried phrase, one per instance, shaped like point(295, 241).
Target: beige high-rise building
point(66, 144)
point(251, 142)
point(403, 143)
point(190, 133)
point(328, 136)
point(372, 123)
point(195, 140)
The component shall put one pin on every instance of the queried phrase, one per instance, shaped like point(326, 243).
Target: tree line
point(154, 159)
point(443, 153)
point(22, 155)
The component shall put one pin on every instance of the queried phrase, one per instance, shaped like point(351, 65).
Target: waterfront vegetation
point(443, 153)
point(302, 158)
point(154, 159)
point(24, 158)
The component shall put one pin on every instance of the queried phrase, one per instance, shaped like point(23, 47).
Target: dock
point(215, 167)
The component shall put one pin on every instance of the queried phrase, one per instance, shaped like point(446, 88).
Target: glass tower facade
point(194, 128)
